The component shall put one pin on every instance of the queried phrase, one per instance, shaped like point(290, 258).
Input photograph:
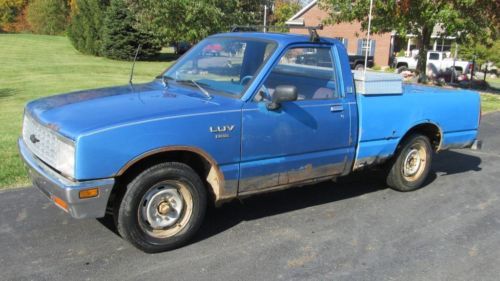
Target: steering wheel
point(243, 80)
point(263, 89)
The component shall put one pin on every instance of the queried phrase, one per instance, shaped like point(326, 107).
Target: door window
point(433, 56)
point(310, 70)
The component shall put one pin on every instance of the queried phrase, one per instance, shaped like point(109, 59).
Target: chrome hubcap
point(165, 209)
point(412, 163)
point(415, 162)
point(162, 207)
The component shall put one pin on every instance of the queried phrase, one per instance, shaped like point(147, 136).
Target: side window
point(433, 56)
point(310, 70)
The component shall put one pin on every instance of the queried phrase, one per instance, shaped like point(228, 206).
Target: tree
point(466, 19)
point(9, 10)
point(13, 15)
point(48, 16)
point(283, 10)
point(482, 53)
point(191, 20)
point(85, 28)
point(120, 36)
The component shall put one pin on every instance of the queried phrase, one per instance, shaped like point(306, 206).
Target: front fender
point(104, 153)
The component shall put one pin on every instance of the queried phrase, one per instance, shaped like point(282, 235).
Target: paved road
point(351, 230)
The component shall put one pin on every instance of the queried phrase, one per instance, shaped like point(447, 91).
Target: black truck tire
point(411, 164)
point(162, 208)
point(402, 68)
point(359, 66)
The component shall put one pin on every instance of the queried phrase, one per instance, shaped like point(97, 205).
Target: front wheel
point(162, 208)
point(411, 165)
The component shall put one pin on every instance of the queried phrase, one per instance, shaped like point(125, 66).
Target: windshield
point(222, 65)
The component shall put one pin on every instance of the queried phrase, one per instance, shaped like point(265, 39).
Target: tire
point(411, 164)
point(162, 208)
point(359, 67)
point(402, 68)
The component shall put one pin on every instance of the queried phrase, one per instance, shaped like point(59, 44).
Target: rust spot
point(53, 126)
point(304, 175)
point(215, 178)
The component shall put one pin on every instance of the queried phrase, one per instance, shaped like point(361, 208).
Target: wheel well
point(200, 164)
point(429, 130)
point(401, 64)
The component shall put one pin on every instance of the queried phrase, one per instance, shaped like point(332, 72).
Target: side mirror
point(281, 94)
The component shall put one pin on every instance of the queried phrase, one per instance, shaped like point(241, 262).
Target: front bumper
point(56, 188)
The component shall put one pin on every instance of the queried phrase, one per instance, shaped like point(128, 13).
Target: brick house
point(349, 33)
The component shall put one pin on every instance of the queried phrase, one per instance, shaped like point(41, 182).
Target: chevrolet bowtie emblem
point(33, 139)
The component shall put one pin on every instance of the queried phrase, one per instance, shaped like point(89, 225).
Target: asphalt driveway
point(354, 229)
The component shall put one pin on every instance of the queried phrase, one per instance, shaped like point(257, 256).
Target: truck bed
point(384, 119)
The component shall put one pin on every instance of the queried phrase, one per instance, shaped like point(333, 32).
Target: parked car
point(357, 62)
point(437, 61)
point(154, 155)
point(213, 50)
point(182, 47)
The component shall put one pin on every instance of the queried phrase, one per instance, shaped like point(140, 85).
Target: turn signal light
point(88, 193)
point(59, 202)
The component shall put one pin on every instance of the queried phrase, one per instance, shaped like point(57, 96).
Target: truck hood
point(82, 112)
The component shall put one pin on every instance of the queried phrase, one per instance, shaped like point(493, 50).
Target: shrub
point(121, 35)
point(9, 10)
point(17, 24)
point(48, 16)
point(85, 28)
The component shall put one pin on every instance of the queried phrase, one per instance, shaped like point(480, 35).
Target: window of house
point(364, 46)
point(310, 70)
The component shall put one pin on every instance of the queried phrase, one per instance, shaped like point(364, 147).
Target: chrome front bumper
point(54, 185)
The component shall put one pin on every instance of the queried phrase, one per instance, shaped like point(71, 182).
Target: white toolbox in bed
point(377, 83)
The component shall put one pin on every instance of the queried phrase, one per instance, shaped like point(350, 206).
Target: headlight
point(53, 149)
point(65, 158)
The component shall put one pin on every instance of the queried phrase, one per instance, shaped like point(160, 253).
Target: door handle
point(336, 108)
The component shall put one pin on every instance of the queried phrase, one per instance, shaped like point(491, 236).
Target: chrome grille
point(40, 140)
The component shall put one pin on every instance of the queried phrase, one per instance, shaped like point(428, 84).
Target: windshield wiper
point(203, 90)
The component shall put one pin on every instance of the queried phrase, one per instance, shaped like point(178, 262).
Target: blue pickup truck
point(253, 119)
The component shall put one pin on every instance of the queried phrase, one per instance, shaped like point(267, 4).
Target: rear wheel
point(162, 208)
point(359, 67)
point(402, 68)
point(411, 165)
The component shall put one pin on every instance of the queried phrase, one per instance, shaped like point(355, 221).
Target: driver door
point(303, 139)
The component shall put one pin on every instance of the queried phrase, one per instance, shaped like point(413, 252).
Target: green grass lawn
point(33, 66)
point(494, 82)
point(490, 102)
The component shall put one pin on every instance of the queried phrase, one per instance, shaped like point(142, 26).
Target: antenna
point(368, 38)
point(133, 64)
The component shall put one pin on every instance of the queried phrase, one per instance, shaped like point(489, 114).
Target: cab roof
point(281, 38)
